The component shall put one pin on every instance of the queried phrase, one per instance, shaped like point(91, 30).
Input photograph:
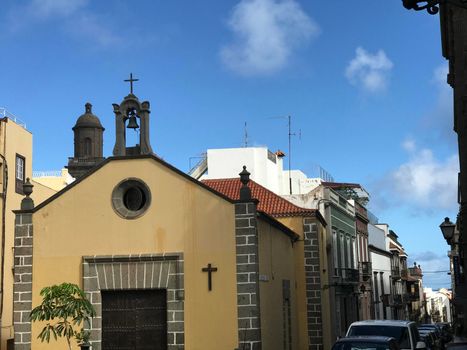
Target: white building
point(438, 305)
point(265, 167)
point(381, 266)
point(55, 179)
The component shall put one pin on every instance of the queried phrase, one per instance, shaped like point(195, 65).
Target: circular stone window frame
point(118, 194)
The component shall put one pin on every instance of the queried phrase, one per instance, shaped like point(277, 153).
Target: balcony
point(397, 299)
point(413, 297)
point(347, 275)
point(405, 298)
point(395, 272)
point(415, 272)
point(404, 274)
point(366, 270)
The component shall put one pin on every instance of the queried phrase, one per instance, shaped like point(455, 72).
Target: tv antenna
point(290, 134)
point(246, 137)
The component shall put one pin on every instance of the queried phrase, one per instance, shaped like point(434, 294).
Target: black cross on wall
point(209, 269)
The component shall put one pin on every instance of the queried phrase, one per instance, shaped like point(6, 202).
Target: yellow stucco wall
point(54, 180)
point(276, 263)
point(182, 217)
point(296, 225)
point(14, 139)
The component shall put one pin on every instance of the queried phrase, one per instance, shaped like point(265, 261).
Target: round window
point(131, 198)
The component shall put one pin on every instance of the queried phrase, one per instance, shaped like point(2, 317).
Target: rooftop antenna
point(246, 137)
point(290, 134)
point(289, 119)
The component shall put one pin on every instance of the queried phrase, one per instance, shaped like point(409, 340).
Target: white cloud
point(47, 8)
point(424, 181)
point(70, 16)
point(91, 27)
point(409, 145)
point(369, 71)
point(266, 32)
point(440, 76)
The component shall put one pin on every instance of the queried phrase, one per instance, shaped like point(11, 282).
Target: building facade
point(313, 292)
point(146, 230)
point(15, 168)
point(381, 269)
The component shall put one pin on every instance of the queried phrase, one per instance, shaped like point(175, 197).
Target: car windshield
point(401, 334)
point(360, 345)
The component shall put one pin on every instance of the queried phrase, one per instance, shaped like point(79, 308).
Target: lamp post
point(431, 6)
point(447, 228)
point(457, 280)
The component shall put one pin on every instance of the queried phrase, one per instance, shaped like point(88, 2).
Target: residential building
point(417, 310)
point(55, 180)
point(266, 168)
point(344, 278)
point(363, 260)
point(438, 305)
point(398, 280)
point(15, 168)
point(358, 197)
point(381, 268)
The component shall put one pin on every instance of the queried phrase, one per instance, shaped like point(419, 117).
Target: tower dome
point(88, 120)
point(88, 134)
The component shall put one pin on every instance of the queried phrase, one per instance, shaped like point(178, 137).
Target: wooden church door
point(134, 320)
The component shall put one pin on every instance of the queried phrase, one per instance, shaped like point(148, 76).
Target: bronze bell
point(132, 123)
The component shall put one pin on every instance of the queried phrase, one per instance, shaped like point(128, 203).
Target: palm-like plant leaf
point(66, 306)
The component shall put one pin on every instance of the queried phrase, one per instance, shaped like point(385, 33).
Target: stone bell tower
point(88, 135)
point(131, 110)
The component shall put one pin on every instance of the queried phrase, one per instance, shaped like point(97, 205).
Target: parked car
point(446, 331)
point(436, 333)
point(429, 338)
point(366, 343)
point(405, 332)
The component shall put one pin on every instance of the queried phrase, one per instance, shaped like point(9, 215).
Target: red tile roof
point(269, 202)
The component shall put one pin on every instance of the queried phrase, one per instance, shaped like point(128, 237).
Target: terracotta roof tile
point(269, 202)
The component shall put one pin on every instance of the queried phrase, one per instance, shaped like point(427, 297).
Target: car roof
point(372, 338)
point(398, 323)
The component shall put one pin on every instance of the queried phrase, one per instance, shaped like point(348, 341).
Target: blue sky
point(364, 81)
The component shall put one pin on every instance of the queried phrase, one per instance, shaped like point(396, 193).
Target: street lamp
point(432, 6)
point(447, 228)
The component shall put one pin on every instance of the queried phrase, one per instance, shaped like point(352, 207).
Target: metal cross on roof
point(131, 80)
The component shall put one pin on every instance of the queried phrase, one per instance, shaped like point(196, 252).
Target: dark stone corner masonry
point(246, 235)
point(313, 285)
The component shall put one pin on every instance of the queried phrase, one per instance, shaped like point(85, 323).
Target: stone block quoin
point(22, 285)
point(248, 306)
point(313, 284)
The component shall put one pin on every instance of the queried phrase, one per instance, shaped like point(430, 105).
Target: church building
point(166, 261)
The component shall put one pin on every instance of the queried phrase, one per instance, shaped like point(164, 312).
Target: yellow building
point(312, 293)
point(147, 242)
point(16, 166)
point(55, 180)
